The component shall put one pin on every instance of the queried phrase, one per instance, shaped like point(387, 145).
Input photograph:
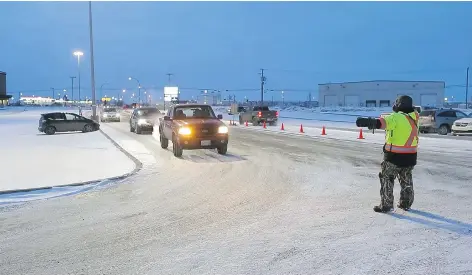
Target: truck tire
point(164, 142)
point(131, 129)
point(176, 148)
point(255, 122)
point(222, 149)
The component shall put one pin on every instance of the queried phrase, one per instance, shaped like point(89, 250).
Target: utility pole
point(53, 97)
point(72, 88)
point(263, 79)
point(168, 76)
point(467, 90)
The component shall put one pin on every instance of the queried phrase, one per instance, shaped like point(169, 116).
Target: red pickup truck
point(193, 126)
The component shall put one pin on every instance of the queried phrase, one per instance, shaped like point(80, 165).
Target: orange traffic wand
point(282, 128)
point(265, 125)
point(301, 128)
point(361, 136)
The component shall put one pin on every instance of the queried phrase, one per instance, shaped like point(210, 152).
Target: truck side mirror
point(167, 118)
point(220, 116)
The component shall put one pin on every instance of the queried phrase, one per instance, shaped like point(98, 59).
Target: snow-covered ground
point(31, 159)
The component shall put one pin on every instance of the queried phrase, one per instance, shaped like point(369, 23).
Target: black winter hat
point(403, 102)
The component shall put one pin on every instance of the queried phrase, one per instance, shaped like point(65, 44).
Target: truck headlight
point(185, 131)
point(222, 130)
point(141, 121)
point(105, 115)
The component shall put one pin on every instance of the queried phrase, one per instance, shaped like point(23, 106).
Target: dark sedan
point(51, 123)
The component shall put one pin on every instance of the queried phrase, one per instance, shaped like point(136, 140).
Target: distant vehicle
point(193, 126)
point(417, 108)
point(462, 126)
point(143, 119)
point(439, 120)
point(259, 114)
point(241, 109)
point(110, 114)
point(51, 123)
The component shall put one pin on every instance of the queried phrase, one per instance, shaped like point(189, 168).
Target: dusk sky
point(223, 45)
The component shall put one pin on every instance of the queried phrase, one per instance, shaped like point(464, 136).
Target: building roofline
point(370, 81)
point(2, 72)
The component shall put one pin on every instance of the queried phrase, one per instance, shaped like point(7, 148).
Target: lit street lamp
point(78, 54)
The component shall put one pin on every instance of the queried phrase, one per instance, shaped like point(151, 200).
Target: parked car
point(259, 114)
point(439, 120)
point(143, 119)
point(110, 114)
point(462, 126)
point(193, 126)
point(50, 123)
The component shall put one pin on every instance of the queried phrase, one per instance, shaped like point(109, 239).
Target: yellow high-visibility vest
point(401, 132)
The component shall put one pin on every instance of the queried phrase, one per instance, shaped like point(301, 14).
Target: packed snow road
point(276, 204)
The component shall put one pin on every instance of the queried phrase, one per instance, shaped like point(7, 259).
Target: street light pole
point(72, 90)
point(78, 54)
point(467, 90)
point(92, 66)
point(139, 88)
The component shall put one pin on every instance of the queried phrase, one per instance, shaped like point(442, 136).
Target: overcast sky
point(222, 45)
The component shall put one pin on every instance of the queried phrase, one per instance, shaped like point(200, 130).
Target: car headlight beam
point(222, 130)
point(141, 121)
point(185, 131)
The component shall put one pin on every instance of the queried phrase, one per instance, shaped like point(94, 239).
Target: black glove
point(369, 122)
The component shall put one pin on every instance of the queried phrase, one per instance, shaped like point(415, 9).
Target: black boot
point(382, 209)
point(403, 206)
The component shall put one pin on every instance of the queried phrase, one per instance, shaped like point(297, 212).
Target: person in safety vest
point(400, 152)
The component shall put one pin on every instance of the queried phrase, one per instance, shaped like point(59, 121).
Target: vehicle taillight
point(276, 113)
point(259, 114)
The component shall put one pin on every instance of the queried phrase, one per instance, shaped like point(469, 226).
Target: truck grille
point(461, 124)
point(202, 131)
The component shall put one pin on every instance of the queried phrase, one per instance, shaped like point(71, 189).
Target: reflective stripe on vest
point(408, 148)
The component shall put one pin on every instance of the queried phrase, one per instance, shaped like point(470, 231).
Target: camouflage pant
point(387, 177)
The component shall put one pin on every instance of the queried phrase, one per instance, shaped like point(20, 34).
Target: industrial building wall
point(380, 93)
point(3, 83)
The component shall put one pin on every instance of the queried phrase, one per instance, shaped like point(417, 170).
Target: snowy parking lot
point(280, 202)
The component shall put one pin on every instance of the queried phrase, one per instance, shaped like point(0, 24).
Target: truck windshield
point(111, 110)
point(189, 112)
point(258, 108)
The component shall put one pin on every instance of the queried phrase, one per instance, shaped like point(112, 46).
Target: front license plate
point(205, 142)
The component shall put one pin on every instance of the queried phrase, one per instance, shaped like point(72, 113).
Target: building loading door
point(428, 100)
point(351, 100)
point(330, 100)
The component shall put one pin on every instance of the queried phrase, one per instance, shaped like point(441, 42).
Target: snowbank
point(31, 159)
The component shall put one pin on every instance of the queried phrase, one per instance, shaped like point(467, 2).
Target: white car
point(462, 126)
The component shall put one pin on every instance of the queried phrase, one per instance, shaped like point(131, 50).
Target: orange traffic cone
point(247, 123)
point(361, 136)
point(265, 125)
point(282, 128)
point(301, 128)
point(323, 132)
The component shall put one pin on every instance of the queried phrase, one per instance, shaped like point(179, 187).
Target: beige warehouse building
point(380, 93)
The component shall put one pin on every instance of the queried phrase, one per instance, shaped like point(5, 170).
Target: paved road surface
point(276, 204)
